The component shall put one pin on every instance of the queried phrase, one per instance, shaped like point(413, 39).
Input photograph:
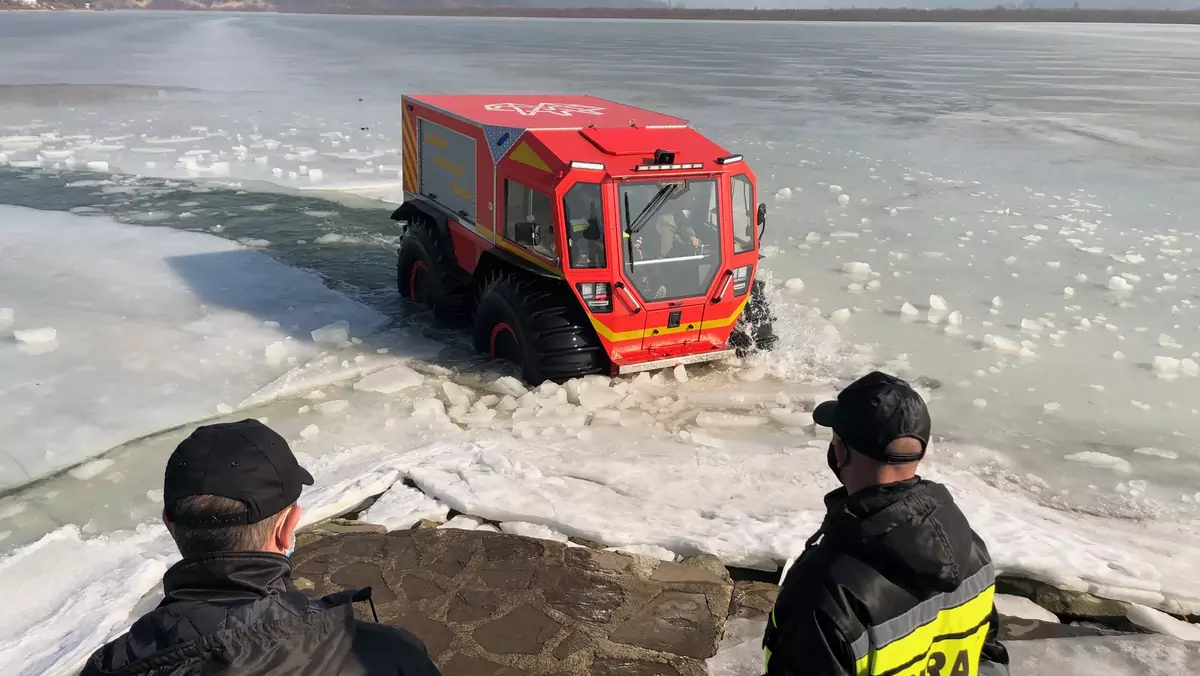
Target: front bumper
point(670, 362)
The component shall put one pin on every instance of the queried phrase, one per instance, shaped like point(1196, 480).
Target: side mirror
point(762, 214)
point(527, 234)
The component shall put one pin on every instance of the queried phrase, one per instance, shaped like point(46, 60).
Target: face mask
point(831, 457)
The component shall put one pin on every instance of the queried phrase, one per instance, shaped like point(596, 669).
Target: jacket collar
point(870, 499)
point(228, 577)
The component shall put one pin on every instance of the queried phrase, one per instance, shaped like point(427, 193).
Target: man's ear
point(842, 452)
point(286, 530)
point(167, 523)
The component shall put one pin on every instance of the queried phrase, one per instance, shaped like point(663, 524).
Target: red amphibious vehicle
point(580, 236)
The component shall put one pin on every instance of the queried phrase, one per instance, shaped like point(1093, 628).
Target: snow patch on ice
point(532, 530)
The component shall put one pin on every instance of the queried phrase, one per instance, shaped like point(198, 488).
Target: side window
point(526, 204)
point(743, 214)
point(584, 220)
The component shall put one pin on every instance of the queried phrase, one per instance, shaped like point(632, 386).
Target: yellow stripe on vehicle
point(640, 334)
point(532, 258)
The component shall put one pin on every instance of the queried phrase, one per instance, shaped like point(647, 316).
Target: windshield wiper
point(664, 193)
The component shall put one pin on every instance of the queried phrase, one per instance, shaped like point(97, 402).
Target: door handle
point(634, 306)
point(724, 287)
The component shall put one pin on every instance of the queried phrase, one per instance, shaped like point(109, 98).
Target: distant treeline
point(999, 14)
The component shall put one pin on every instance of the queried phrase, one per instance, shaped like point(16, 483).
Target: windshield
point(671, 237)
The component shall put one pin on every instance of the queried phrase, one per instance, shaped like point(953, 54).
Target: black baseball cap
point(244, 461)
point(874, 411)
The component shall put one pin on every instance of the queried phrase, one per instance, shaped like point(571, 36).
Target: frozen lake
point(1020, 239)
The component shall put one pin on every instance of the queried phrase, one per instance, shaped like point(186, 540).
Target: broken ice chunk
point(1166, 368)
point(332, 335)
point(390, 380)
point(457, 395)
point(1119, 284)
point(938, 303)
point(1101, 460)
point(795, 285)
point(332, 407)
point(857, 270)
point(275, 353)
point(35, 336)
point(723, 419)
point(1189, 367)
point(653, 551)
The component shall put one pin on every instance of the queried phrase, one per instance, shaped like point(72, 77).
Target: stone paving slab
point(491, 604)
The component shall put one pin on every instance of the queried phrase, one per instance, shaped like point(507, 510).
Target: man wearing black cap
point(230, 494)
point(895, 582)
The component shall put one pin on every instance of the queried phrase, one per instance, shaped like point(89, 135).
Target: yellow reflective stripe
point(532, 258)
point(946, 657)
point(639, 334)
point(767, 659)
point(954, 630)
point(951, 621)
point(724, 321)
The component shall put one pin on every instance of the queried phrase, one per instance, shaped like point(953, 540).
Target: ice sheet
point(70, 592)
point(926, 223)
point(750, 503)
point(1105, 656)
point(160, 335)
point(740, 654)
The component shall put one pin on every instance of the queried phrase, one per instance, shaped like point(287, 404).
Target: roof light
point(668, 167)
point(731, 159)
point(593, 166)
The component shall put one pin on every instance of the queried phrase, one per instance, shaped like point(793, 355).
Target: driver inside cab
point(585, 235)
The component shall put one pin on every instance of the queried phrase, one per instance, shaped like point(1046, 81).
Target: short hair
point(907, 446)
point(193, 541)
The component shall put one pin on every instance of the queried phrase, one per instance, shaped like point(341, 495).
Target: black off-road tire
point(539, 327)
point(755, 329)
point(425, 274)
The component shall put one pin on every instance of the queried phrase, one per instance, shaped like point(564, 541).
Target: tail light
point(597, 295)
point(741, 280)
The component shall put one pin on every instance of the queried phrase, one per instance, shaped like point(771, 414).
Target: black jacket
point(898, 584)
point(237, 614)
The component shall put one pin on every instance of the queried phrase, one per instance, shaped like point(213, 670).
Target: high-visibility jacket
point(895, 583)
